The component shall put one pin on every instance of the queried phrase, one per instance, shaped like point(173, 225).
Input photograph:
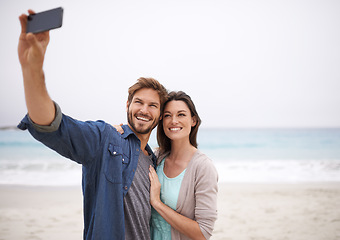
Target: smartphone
point(44, 21)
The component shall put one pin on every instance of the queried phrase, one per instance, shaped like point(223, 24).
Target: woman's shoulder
point(201, 163)
point(201, 170)
point(200, 158)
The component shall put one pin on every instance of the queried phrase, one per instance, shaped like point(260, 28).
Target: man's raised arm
point(31, 51)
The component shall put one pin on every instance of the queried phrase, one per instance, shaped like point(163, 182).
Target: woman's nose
point(174, 119)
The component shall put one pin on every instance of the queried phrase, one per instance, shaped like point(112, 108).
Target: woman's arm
point(119, 128)
point(184, 225)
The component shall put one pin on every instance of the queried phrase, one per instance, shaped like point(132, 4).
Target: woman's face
point(177, 120)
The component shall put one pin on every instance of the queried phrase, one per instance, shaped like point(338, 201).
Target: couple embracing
point(129, 191)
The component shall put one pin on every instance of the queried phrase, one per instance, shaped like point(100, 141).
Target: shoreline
point(257, 211)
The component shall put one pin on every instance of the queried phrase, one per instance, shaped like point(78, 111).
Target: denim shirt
point(109, 162)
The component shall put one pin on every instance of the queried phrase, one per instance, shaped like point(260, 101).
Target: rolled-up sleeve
point(77, 140)
point(53, 126)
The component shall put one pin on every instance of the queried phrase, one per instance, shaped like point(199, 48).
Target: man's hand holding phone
point(31, 47)
point(31, 50)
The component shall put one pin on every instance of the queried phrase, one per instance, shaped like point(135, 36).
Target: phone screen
point(44, 21)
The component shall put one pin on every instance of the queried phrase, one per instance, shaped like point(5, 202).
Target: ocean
point(240, 155)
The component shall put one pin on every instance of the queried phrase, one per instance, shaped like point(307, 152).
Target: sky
point(246, 64)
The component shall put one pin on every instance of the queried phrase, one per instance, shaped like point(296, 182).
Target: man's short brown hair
point(149, 83)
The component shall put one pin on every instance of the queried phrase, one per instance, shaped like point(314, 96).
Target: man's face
point(144, 111)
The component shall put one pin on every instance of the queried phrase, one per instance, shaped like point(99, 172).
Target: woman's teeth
point(175, 129)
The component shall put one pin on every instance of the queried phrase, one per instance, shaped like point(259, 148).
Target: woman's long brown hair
point(163, 141)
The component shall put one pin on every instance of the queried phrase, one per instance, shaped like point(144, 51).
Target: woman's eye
point(166, 115)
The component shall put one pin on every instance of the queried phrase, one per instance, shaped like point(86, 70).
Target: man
point(115, 167)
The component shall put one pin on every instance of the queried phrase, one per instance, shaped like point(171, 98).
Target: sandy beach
point(246, 211)
point(278, 212)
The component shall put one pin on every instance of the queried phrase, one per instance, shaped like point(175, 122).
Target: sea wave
point(267, 156)
point(67, 173)
point(40, 172)
point(278, 171)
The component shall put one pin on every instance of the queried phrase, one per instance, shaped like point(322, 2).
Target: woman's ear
point(193, 121)
point(127, 106)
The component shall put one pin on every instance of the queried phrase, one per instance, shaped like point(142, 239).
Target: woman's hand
point(155, 188)
point(119, 128)
point(183, 224)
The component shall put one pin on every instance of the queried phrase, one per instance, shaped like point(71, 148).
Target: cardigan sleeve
point(206, 196)
point(197, 198)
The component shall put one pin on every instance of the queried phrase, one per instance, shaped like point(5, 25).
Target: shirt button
point(125, 187)
point(114, 153)
point(123, 160)
point(137, 149)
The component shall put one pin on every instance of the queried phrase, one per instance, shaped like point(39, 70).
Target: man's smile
point(143, 118)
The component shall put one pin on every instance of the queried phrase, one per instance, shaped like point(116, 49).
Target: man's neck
point(144, 138)
point(143, 144)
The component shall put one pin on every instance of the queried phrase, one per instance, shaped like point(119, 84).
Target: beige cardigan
point(197, 197)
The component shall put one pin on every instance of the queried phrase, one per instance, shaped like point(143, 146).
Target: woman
point(183, 191)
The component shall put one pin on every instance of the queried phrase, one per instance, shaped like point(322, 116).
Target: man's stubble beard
point(134, 127)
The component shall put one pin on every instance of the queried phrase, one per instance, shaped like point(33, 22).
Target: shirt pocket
point(115, 163)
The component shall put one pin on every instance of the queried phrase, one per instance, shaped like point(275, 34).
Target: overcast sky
point(245, 63)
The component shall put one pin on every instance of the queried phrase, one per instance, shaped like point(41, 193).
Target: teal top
point(160, 229)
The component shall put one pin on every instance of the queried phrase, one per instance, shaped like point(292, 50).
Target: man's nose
point(144, 108)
